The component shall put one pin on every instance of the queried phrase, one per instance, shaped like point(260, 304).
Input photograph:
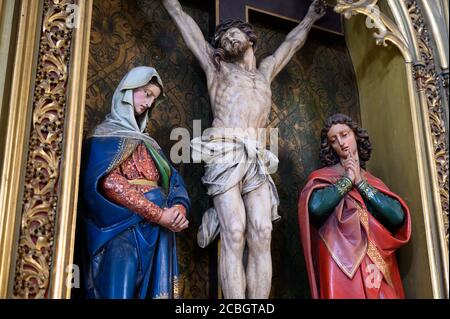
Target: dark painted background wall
point(318, 82)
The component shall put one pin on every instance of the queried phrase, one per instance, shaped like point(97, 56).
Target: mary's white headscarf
point(121, 122)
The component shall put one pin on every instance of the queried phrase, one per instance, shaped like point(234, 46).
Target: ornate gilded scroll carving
point(387, 29)
point(428, 80)
point(40, 199)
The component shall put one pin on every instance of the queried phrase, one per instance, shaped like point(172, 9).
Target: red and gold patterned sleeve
point(116, 188)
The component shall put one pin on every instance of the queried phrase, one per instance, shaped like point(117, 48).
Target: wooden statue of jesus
point(244, 195)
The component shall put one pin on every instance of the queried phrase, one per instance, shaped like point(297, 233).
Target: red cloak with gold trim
point(351, 255)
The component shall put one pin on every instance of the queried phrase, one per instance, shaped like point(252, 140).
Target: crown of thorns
point(229, 24)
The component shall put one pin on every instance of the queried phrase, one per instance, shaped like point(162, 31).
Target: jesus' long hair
point(219, 53)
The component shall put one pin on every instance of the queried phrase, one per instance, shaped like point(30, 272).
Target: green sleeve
point(323, 201)
point(385, 209)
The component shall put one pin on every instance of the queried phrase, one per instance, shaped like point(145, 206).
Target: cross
point(290, 10)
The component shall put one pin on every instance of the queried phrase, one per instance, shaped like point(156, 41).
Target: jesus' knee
point(233, 238)
point(259, 238)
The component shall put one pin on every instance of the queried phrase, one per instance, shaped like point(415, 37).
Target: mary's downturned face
point(144, 97)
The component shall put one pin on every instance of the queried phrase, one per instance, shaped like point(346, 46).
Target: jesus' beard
point(236, 52)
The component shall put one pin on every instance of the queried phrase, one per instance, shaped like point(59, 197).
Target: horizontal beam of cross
point(291, 10)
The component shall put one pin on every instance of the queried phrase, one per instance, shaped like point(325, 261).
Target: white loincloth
point(232, 160)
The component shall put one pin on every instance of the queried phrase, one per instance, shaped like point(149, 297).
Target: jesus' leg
point(231, 211)
point(259, 235)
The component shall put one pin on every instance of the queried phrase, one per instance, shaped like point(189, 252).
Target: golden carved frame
point(39, 182)
point(37, 232)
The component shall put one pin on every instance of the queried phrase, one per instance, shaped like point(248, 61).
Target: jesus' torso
point(239, 98)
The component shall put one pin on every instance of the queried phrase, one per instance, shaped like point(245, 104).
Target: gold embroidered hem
point(143, 182)
point(337, 260)
point(344, 185)
point(372, 250)
point(366, 189)
point(176, 288)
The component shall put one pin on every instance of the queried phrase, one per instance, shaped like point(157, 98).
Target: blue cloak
point(128, 257)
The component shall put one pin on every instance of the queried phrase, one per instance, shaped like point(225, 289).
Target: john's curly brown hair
point(221, 29)
point(328, 156)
